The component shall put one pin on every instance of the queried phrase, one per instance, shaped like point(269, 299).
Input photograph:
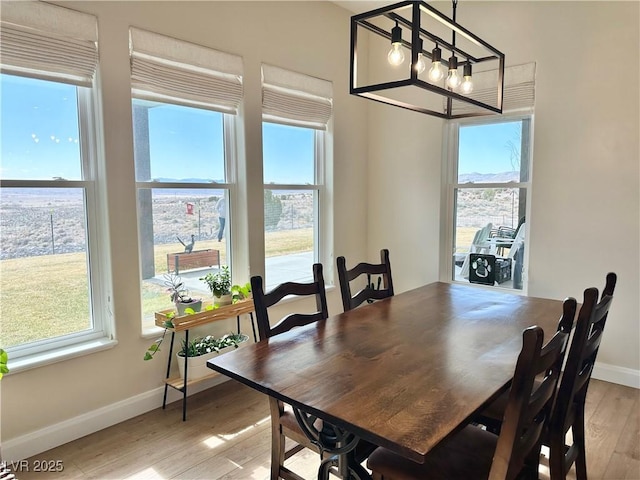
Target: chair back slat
point(369, 292)
point(592, 345)
point(262, 301)
point(294, 320)
point(366, 269)
point(545, 391)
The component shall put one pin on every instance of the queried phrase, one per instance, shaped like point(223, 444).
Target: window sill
point(150, 330)
point(58, 355)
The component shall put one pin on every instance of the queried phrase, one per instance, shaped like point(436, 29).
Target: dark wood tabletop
point(403, 372)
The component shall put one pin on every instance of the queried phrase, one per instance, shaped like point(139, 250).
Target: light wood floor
point(226, 436)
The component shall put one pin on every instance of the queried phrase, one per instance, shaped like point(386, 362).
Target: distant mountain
point(503, 177)
point(186, 180)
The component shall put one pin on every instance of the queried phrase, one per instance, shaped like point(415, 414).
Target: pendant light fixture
point(438, 90)
point(420, 64)
point(436, 72)
point(396, 55)
point(467, 81)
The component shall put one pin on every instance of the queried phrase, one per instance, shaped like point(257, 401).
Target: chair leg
point(277, 451)
point(556, 456)
point(579, 442)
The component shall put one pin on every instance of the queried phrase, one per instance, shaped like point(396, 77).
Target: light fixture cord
point(453, 32)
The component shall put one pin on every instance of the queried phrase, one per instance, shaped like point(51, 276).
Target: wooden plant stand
point(187, 322)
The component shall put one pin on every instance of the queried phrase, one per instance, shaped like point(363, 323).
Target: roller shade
point(295, 98)
point(167, 69)
point(48, 42)
point(519, 89)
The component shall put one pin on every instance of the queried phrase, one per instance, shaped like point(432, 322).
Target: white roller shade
point(519, 89)
point(49, 42)
point(167, 69)
point(294, 98)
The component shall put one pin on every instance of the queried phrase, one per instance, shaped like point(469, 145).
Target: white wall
point(585, 216)
point(50, 401)
point(585, 212)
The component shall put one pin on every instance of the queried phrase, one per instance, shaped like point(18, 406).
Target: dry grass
point(47, 296)
point(43, 297)
point(57, 297)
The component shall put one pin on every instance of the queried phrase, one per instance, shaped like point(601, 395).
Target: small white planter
point(197, 366)
point(224, 299)
point(196, 305)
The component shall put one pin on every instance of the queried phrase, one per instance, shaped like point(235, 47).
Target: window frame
point(101, 335)
point(230, 185)
point(451, 144)
point(319, 186)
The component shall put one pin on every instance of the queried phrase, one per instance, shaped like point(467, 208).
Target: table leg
point(339, 443)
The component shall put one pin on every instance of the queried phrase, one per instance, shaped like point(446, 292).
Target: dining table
point(404, 373)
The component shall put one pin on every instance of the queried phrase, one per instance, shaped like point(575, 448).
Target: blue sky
point(39, 130)
point(288, 154)
point(485, 148)
point(186, 143)
point(40, 140)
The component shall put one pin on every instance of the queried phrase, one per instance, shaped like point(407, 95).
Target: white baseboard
point(614, 374)
point(33, 443)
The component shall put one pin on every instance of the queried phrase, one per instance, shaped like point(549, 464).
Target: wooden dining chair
point(475, 453)
point(491, 417)
point(568, 411)
point(371, 291)
point(570, 403)
point(283, 422)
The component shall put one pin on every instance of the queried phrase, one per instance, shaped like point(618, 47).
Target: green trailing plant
point(240, 292)
point(220, 282)
point(209, 343)
point(4, 358)
point(155, 346)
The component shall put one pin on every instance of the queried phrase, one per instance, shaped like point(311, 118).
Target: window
point(489, 194)
point(183, 131)
point(292, 156)
point(48, 209)
point(296, 111)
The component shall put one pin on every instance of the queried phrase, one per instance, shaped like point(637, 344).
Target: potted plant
point(201, 349)
point(180, 295)
point(220, 285)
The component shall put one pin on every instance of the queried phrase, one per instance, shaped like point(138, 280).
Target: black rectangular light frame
point(374, 91)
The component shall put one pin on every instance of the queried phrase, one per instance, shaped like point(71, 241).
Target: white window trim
point(449, 184)
point(101, 335)
point(321, 205)
point(148, 327)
